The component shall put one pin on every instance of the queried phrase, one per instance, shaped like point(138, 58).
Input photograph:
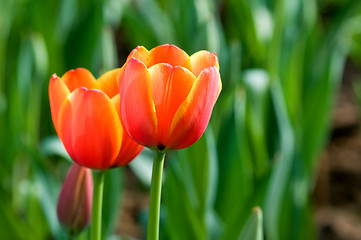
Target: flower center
point(161, 147)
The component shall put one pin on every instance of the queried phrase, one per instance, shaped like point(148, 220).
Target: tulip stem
point(96, 218)
point(155, 193)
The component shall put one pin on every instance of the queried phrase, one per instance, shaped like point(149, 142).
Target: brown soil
point(134, 203)
point(338, 189)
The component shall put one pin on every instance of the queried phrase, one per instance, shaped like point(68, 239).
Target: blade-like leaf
point(253, 229)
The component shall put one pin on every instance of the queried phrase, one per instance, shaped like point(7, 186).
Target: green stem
point(96, 221)
point(155, 193)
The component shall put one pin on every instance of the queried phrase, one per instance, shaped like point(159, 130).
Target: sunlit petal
point(136, 105)
point(170, 54)
point(170, 87)
point(201, 60)
point(57, 94)
point(129, 149)
point(142, 54)
point(77, 78)
point(108, 83)
point(192, 117)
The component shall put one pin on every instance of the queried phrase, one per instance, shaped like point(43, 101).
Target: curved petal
point(136, 105)
point(170, 54)
point(159, 75)
point(77, 78)
point(90, 128)
point(108, 83)
point(170, 87)
point(203, 59)
point(142, 54)
point(129, 149)
point(57, 94)
point(192, 117)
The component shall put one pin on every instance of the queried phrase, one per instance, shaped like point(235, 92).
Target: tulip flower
point(85, 114)
point(166, 101)
point(167, 97)
point(75, 199)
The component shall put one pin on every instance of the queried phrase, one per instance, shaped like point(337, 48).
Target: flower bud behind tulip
point(75, 200)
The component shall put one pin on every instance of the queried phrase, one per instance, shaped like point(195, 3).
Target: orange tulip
point(85, 114)
point(75, 199)
point(167, 97)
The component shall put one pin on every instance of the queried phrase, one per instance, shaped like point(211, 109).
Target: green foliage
point(253, 227)
point(281, 64)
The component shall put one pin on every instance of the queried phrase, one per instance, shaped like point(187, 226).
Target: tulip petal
point(170, 54)
point(129, 149)
point(137, 109)
point(108, 83)
point(77, 78)
point(170, 87)
point(159, 75)
point(192, 117)
point(90, 128)
point(142, 54)
point(201, 60)
point(57, 94)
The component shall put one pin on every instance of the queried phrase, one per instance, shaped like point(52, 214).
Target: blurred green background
point(281, 64)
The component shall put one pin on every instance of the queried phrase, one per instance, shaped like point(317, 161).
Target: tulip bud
point(75, 200)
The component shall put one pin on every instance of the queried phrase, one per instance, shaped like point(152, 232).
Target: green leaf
point(52, 145)
point(13, 226)
point(113, 187)
point(108, 50)
point(253, 229)
point(257, 89)
point(47, 190)
point(282, 168)
point(182, 219)
point(194, 176)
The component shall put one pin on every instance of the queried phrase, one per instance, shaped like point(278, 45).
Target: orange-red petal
point(136, 104)
point(129, 149)
point(192, 117)
point(142, 54)
point(77, 78)
point(170, 54)
point(108, 83)
point(57, 94)
point(90, 128)
point(170, 87)
point(201, 60)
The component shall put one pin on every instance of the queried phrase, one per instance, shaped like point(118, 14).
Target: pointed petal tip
point(54, 76)
point(133, 59)
point(139, 47)
point(79, 77)
point(170, 54)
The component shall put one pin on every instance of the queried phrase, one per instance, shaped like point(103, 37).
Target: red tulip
point(167, 97)
point(86, 117)
point(75, 199)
